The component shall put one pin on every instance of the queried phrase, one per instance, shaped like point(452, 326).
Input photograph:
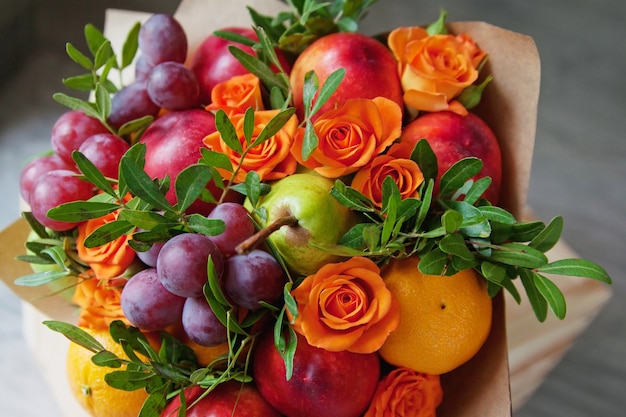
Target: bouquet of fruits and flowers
point(293, 218)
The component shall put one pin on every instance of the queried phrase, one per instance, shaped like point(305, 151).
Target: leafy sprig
point(99, 63)
point(456, 230)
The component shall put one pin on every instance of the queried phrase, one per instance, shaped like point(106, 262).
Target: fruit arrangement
point(294, 219)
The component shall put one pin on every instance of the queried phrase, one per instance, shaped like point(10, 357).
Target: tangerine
point(88, 386)
point(444, 320)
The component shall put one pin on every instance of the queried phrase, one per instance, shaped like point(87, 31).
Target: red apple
point(228, 399)
point(371, 69)
point(453, 137)
point(173, 142)
point(329, 384)
point(213, 63)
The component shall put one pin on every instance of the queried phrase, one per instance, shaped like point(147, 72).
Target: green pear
point(311, 219)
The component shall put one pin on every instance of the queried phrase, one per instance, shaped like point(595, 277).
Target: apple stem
point(260, 236)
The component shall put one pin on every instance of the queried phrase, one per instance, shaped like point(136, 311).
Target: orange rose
point(404, 392)
point(434, 69)
point(404, 172)
point(99, 304)
point(272, 159)
point(236, 95)
point(109, 260)
point(351, 136)
point(346, 306)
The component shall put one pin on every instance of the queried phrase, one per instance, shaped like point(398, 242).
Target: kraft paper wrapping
point(482, 387)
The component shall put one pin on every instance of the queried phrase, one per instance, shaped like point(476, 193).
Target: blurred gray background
point(578, 165)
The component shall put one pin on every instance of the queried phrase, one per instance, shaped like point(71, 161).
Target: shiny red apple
point(453, 137)
point(213, 62)
point(324, 383)
point(173, 142)
point(371, 69)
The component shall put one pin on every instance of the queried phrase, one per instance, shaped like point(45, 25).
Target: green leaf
point(75, 334)
point(493, 272)
point(439, 26)
point(190, 183)
point(103, 54)
point(216, 159)
point(133, 337)
point(497, 214)
point(128, 380)
point(526, 231)
point(214, 284)
point(518, 254)
point(474, 223)
point(131, 45)
point(426, 159)
point(248, 125)
point(106, 358)
point(351, 198)
point(137, 126)
point(141, 185)
point(274, 125)
point(227, 131)
point(201, 224)
point(454, 244)
point(108, 232)
point(40, 278)
point(154, 404)
point(103, 102)
point(552, 294)
point(76, 104)
point(83, 82)
point(91, 173)
point(457, 174)
point(259, 68)
point(310, 140)
point(78, 211)
point(309, 89)
point(390, 220)
point(576, 268)
point(146, 220)
point(253, 187)
point(548, 237)
point(433, 262)
point(537, 301)
point(424, 208)
point(78, 57)
point(451, 221)
point(477, 189)
point(354, 237)
point(372, 236)
point(94, 37)
point(328, 88)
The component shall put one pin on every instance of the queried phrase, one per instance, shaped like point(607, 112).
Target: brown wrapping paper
point(482, 386)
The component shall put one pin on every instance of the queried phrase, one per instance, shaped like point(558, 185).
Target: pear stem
point(260, 236)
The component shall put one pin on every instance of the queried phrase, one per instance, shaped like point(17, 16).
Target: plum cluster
point(171, 289)
point(162, 81)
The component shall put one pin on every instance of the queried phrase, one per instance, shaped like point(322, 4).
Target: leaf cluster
point(162, 373)
point(456, 229)
point(308, 20)
point(98, 65)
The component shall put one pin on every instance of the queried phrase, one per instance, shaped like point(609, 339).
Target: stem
point(254, 240)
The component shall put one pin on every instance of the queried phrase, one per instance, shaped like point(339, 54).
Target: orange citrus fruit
point(444, 320)
point(87, 382)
